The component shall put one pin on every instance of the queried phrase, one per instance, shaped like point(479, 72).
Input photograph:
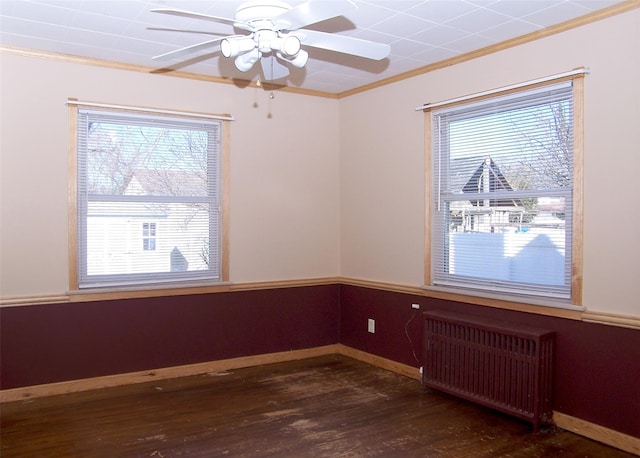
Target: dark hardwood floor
point(329, 406)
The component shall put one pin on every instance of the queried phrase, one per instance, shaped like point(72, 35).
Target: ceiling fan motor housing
point(260, 10)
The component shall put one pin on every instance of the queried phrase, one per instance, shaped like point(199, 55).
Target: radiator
point(499, 365)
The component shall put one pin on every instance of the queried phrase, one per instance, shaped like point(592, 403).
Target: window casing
point(140, 175)
point(502, 196)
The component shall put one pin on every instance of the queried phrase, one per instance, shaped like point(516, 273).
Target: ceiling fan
point(276, 35)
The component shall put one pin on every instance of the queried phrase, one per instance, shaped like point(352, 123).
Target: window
point(502, 194)
point(148, 236)
point(140, 175)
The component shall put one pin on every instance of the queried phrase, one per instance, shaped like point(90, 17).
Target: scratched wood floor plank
point(331, 406)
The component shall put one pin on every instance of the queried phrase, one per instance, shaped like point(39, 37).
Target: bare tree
point(171, 162)
point(114, 156)
point(548, 161)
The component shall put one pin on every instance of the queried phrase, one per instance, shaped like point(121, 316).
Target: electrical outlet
point(415, 306)
point(371, 326)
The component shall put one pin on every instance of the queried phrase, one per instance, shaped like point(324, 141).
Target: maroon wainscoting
point(58, 342)
point(597, 366)
point(596, 369)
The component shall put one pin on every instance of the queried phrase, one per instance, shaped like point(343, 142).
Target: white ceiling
point(420, 32)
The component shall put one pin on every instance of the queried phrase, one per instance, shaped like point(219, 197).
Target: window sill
point(518, 303)
point(141, 291)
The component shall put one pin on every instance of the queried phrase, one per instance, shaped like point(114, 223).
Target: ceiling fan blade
point(311, 12)
point(272, 69)
point(343, 44)
point(188, 49)
point(202, 32)
point(206, 17)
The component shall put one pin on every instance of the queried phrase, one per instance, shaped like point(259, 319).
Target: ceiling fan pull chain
point(272, 95)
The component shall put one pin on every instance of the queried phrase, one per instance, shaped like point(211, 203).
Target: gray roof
point(475, 174)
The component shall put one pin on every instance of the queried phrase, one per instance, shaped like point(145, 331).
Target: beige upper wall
point(284, 170)
point(327, 187)
point(381, 161)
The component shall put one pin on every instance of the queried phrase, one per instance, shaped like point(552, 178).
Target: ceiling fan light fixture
point(234, 46)
point(245, 61)
point(299, 60)
point(288, 45)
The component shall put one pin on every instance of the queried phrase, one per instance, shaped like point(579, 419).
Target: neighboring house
point(156, 235)
point(482, 215)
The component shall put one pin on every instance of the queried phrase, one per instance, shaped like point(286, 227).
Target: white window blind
point(502, 193)
point(148, 198)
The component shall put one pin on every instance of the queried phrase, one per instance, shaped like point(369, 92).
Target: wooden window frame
point(576, 298)
point(72, 207)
